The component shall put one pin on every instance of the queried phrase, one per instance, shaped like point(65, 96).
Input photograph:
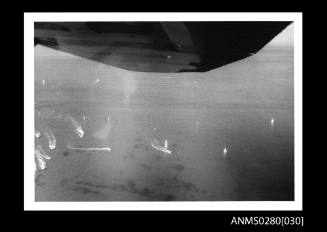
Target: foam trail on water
point(39, 152)
point(40, 156)
point(90, 148)
point(41, 163)
point(78, 129)
point(51, 139)
point(155, 144)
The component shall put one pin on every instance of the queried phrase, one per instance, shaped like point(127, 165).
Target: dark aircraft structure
point(166, 47)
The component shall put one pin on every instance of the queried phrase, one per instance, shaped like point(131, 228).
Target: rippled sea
point(199, 114)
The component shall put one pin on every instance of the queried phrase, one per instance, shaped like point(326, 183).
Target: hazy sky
point(285, 38)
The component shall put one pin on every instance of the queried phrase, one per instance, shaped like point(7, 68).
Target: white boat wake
point(90, 148)
point(51, 139)
point(78, 128)
point(40, 156)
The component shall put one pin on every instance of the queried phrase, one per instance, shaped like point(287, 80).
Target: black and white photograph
point(192, 108)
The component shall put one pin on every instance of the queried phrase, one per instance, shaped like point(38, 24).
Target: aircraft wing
point(159, 46)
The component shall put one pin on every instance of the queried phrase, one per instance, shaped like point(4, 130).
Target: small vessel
point(37, 133)
point(79, 131)
point(225, 152)
point(95, 82)
point(155, 144)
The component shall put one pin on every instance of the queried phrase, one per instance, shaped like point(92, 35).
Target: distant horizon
point(285, 39)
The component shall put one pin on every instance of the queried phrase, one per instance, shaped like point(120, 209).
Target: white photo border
point(29, 183)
